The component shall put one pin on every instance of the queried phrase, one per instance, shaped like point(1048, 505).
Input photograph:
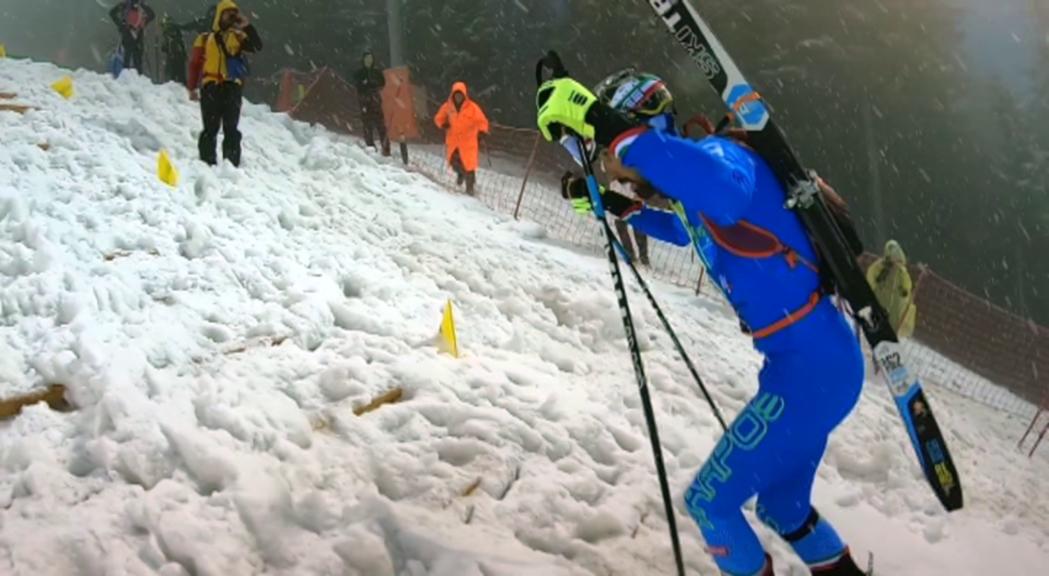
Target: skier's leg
point(744, 462)
point(232, 99)
point(816, 542)
point(623, 231)
point(457, 165)
point(471, 182)
point(786, 508)
point(384, 140)
point(824, 398)
point(368, 128)
point(642, 246)
point(138, 51)
point(128, 43)
point(803, 394)
point(211, 114)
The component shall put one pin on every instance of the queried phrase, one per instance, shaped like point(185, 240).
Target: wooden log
point(54, 396)
point(390, 397)
point(17, 108)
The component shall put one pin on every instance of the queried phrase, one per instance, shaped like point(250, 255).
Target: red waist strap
point(790, 319)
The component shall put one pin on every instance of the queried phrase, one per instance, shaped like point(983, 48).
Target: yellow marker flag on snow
point(3, 51)
point(447, 333)
point(64, 87)
point(166, 171)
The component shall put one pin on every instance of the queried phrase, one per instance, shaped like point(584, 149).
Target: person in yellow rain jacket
point(218, 67)
point(465, 124)
point(892, 285)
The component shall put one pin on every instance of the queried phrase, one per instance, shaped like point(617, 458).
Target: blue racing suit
point(731, 207)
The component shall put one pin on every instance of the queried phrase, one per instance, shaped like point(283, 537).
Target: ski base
point(921, 425)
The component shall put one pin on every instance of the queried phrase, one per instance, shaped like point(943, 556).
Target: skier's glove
point(566, 105)
point(576, 191)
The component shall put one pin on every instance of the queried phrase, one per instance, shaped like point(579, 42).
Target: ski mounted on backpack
point(833, 236)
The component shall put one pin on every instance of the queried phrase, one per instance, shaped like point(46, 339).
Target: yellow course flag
point(3, 51)
point(448, 335)
point(166, 171)
point(64, 87)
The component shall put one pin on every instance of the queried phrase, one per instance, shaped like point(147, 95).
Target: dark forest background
point(931, 116)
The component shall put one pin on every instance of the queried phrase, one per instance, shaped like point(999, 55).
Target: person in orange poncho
point(464, 123)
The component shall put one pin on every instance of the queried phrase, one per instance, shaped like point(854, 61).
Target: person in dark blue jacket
point(728, 204)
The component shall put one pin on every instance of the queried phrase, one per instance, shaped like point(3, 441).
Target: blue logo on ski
point(749, 108)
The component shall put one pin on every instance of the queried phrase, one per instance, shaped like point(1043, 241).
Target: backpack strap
point(790, 319)
point(747, 240)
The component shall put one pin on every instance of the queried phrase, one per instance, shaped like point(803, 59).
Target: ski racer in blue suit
point(727, 203)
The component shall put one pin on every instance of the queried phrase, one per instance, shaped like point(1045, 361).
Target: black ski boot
point(767, 570)
point(844, 566)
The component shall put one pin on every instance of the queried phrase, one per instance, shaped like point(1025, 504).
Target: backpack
point(237, 67)
point(837, 206)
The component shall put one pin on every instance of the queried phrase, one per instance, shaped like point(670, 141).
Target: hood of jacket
point(894, 253)
point(223, 6)
point(459, 87)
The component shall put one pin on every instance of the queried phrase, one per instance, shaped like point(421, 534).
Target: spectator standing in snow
point(219, 67)
point(892, 285)
point(369, 82)
point(464, 124)
point(174, 48)
point(132, 17)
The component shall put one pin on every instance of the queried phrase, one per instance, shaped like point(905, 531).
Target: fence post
point(702, 274)
point(528, 173)
point(1027, 433)
point(1039, 441)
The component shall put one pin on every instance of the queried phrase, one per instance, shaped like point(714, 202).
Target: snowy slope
point(217, 337)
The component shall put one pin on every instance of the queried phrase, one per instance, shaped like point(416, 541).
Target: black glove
point(575, 190)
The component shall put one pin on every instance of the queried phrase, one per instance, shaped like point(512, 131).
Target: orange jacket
point(462, 127)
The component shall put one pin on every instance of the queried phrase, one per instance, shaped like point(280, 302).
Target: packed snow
point(217, 337)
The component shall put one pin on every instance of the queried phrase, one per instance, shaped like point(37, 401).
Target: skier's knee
point(704, 503)
point(772, 514)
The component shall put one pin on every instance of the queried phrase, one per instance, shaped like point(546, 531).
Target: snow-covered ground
point(216, 338)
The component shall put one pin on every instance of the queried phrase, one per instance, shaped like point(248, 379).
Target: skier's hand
point(574, 189)
point(194, 96)
point(563, 104)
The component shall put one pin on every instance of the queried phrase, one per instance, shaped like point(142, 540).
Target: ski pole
point(670, 331)
point(553, 62)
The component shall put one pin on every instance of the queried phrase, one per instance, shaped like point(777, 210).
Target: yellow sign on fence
point(3, 51)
